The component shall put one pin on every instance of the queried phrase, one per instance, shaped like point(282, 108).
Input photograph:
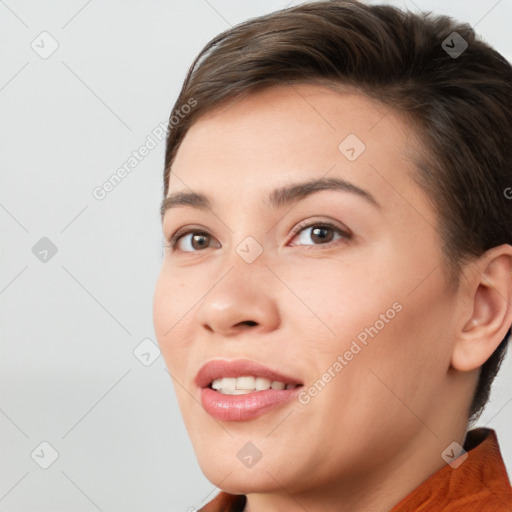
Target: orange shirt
point(479, 484)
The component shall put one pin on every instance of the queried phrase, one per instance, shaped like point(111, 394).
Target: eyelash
point(173, 241)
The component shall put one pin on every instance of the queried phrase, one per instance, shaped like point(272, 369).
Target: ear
point(489, 309)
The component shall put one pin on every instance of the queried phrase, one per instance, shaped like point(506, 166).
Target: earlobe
point(490, 315)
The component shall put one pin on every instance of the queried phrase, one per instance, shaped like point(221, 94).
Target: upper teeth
point(243, 385)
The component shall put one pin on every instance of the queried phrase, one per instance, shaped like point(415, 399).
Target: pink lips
point(241, 407)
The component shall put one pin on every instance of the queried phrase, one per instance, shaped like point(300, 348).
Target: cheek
point(161, 307)
point(169, 317)
point(387, 319)
point(405, 364)
point(351, 301)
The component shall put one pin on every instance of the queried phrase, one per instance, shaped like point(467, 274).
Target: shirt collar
point(480, 482)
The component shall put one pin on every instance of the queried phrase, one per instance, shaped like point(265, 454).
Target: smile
point(242, 390)
point(247, 384)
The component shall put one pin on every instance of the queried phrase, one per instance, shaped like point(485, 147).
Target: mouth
point(242, 390)
point(247, 384)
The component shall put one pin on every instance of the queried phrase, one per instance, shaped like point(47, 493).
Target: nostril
point(249, 322)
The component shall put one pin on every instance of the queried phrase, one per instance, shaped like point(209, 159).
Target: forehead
point(284, 133)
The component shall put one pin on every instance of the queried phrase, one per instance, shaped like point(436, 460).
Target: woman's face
point(354, 316)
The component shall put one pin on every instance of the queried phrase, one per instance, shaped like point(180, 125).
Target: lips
point(219, 369)
point(249, 404)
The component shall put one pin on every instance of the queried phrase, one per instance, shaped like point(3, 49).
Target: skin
point(377, 430)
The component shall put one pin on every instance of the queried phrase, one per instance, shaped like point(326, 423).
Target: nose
point(241, 299)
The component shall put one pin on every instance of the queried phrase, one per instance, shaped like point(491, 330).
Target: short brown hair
point(460, 105)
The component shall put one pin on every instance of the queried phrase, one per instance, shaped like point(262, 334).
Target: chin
point(241, 480)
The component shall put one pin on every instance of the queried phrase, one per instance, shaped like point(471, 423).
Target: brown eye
point(197, 241)
point(320, 233)
point(190, 240)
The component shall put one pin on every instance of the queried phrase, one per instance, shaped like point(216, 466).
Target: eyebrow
point(278, 198)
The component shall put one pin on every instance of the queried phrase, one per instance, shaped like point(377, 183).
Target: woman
point(334, 300)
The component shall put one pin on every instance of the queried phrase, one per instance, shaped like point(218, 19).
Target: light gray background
point(69, 326)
